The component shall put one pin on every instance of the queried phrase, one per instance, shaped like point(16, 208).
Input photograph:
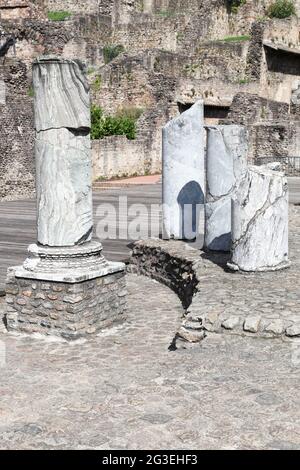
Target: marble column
point(260, 221)
point(184, 175)
point(226, 163)
point(62, 153)
point(65, 287)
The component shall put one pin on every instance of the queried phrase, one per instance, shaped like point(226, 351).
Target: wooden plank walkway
point(18, 224)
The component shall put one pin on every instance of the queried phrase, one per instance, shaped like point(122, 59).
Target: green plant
point(236, 38)
point(30, 92)
point(96, 85)
point(110, 52)
point(123, 123)
point(58, 15)
point(165, 13)
point(130, 112)
point(234, 5)
point(281, 9)
point(243, 81)
point(263, 112)
point(90, 70)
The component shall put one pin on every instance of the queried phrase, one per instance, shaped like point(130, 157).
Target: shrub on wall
point(235, 4)
point(281, 9)
point(58, 15)
point(123, 123)
point(110, 52)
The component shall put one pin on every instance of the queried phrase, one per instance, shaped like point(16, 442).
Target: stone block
point(184, 175)
point(55, 318)
point(226, 164)
point(260, 222)
point(252, 323)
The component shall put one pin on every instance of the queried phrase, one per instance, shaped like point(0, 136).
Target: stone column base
point(68, 293)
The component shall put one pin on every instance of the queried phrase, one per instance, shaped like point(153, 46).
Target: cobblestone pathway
point(265, 304)
point(125, 390)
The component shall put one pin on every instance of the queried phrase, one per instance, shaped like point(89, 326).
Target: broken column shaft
point(226, 163)
point(65, 287)
point(260, 222)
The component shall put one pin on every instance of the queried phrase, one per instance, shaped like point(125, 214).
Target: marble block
point(184, 174)
point(61, 94)
point(226, 163)
point(62, 152)
point(260, 222)
point(64, 192)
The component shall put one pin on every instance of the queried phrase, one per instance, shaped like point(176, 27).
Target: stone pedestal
point(184, 175)
point(226, 164)
point(65, 287)
point(70, 311)
point(260, 222)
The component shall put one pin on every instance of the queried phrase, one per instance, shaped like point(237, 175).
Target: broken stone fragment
point(293, 331)
point(191, 336)
point(260, 222)
point(252, 323)
point(231, 323)
point(276, 327)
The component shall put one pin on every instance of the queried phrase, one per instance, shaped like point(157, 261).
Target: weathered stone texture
point(262, 304)
point(260, 221)
point(75, 6)
point(61, 309)
point(62, 150)
point(226, 163)
point(184, 174)
point(170, 263)
point(197, 57)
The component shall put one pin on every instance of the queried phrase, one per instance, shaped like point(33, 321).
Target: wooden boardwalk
point(18, 224)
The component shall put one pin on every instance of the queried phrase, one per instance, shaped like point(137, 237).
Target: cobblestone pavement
point(264, 304)
point(125, 390)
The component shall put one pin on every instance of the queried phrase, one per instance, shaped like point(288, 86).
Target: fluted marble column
point(260, 222)
point(184, 174)
point(226, 163)
point(62, 152)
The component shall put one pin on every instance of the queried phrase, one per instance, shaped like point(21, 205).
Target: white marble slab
point(184, 174)
point(226, 163)
point(260, 222)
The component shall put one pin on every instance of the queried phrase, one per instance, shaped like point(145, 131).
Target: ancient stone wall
point(118, 156)
point(249, 108)
point(74, 6)
point(16, 144)
point(275, 140)
point(18, 10)
point(270, 129)
point(176, 52)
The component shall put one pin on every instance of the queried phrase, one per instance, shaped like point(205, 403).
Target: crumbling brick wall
point(17, 136)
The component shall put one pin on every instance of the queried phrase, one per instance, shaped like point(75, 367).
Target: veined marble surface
point(227, 149)
point(63, 181)
point(184, 174)
point(63, 152)
point(61, 94)
point(70, 265)
point(260, 221)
